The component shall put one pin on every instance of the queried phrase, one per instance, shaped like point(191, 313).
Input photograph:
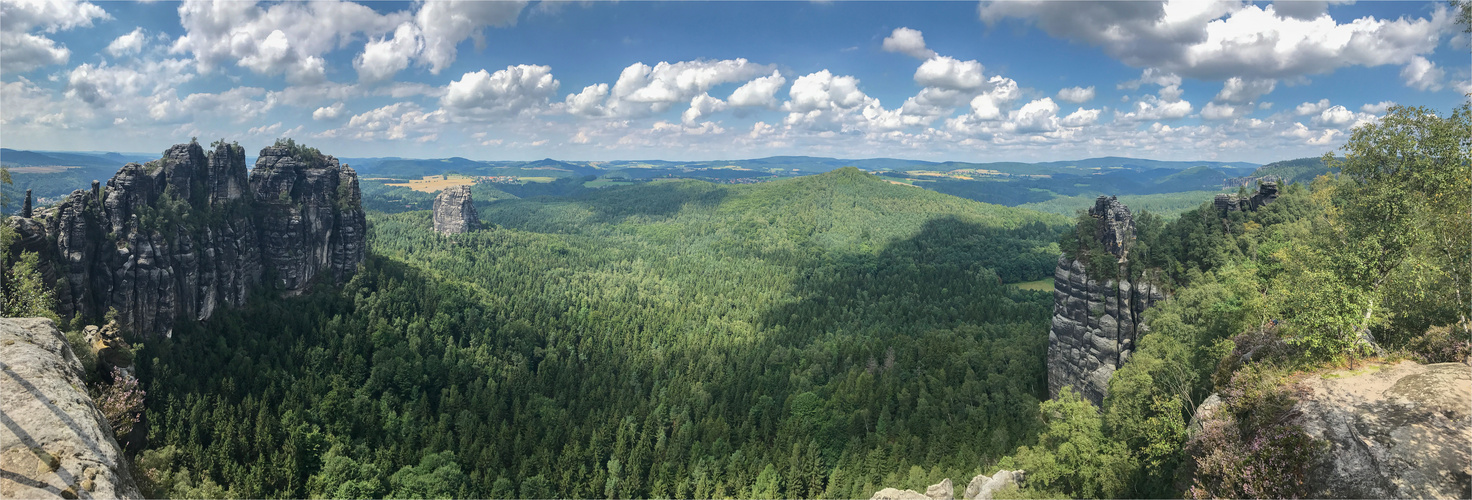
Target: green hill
point(1302, 170)
point(797, 338)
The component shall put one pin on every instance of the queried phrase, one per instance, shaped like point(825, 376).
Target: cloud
point(242, 104)
point(1222, 111)
point(382, 58)
point(1377, 108)
point(701, 106)
point(1237, 90)
point(130, 43)
point(102, 85)
point(589, 102)
point(1309, 108)
point(1306, 10)
point(1152, 76)
point(824, 101)
point(642, 90)
point(1220, 39)
point(447, 23)
point(908, 42)
point(1037, 116)
point(1082, 117)
point(1421, 74)
point(947, 73)
point(758, 92)
point(1077, 95)
point(505, 93)
point(23, 51)
point(392, 122)
point(1166, 106)
point(286, 38)
point(329, 112)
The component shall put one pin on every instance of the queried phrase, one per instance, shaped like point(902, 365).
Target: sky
point(501, 80)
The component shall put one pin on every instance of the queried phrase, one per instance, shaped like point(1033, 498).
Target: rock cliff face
point(54, 441)
point(311, 217)
point(1096, 322)
point(454, 212)
point(1400, 432)
point(188, 233)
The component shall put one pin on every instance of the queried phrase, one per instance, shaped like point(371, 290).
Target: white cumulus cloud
point(758, 92)
point(1220, 39)
point(1422, 74)
point(130, 43)
point(22, 49)
point(505, 93)
point(908, 42)
point(1077, 95)
point(329, 112)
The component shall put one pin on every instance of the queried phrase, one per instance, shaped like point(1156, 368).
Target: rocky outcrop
point(981, 487)
point(54, 442)
point(939, 491)
point(188, 233)
point(311, 221)
point(454, 212)
point(1266, 193)
point(1399, 432)
point(1096, 321)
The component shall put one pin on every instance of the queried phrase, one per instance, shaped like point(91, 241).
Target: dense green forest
point(823, 336)
point(820, 336)
point(1372, 264)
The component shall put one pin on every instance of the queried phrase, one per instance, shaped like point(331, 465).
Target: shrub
point(1255, 447)
point(1443, 344)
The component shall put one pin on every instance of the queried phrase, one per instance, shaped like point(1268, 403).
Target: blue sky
point(1020, 80)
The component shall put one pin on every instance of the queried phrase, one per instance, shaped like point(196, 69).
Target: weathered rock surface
point(312, 220)
point(54, 442)
point(939, 491)
point(186, 234)
point(983, 487)
point(1266, 193)
point(454, 212)
point(1401, 432)
point(1096, 323)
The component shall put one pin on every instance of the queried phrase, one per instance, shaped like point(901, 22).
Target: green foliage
point(436, 476)
point(803, 338)
point(23, 292)
point(309, 155)
point(1072, 455)
point(1255, 445)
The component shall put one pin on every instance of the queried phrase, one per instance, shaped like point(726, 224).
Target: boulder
point(983, 487)
point(943, 490)
point(54, 442)
point(454, 211)
point(1402, 431)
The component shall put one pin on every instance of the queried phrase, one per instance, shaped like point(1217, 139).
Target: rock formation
point(1400, 432)
point(311, 220)
point(180, 236)
point(1096, 321)
point(54, 441)
point(25, 209)
point(454, 212)
point(981, 487)
point(1266, 193)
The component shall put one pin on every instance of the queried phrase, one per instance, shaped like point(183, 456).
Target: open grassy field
point(1042, 285)
point(435, 183)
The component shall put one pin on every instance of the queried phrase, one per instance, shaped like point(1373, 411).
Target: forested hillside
point(1371, 266)
point(818, 336)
